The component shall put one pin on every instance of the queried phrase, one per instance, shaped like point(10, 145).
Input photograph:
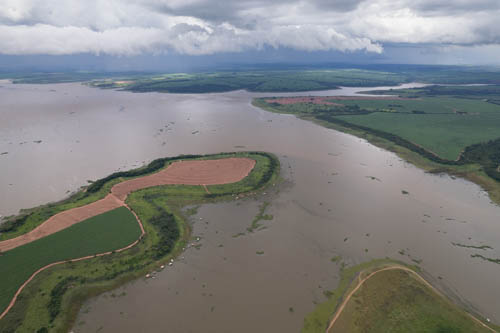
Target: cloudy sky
point(399, 31)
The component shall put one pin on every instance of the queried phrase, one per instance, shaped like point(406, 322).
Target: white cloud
point(198, 27)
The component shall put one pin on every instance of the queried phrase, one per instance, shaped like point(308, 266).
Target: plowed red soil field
point(197, 172)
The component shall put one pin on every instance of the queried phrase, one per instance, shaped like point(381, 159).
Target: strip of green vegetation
point(488, 93)
point(92, 236)
point(493, 260)
point(260, 81)
point(260, 217)
point(65, 77)
point(396, 301)
point(161, 209)
point(480, 247)
point(238, 76)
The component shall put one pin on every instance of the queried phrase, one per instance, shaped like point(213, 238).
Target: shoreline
point(470, 172)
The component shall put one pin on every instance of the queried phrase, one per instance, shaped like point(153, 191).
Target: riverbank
point(167, 234)
point(473, 172)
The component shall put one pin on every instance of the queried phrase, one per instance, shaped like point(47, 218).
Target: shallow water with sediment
point(341, 197)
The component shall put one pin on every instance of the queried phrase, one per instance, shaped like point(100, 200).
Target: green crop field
point(442, 125)
point(395, 301)
point(92, 236)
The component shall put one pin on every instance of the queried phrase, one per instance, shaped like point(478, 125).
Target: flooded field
point(341, 196)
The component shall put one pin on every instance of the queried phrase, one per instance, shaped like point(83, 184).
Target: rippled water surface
point(341, 196)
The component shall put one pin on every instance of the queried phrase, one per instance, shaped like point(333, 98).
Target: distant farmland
point(442, 125)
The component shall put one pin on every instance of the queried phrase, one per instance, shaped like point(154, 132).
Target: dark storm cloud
point(454, 7)
point(235, 11)
point(201, 27)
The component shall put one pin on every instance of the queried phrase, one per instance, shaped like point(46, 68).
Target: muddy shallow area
point(341, 196)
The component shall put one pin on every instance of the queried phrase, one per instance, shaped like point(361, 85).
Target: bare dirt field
point(62, 221)
point(198, 172)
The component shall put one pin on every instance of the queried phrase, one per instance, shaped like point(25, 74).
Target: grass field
point(446, 128)
point(396, 301)
point(443, 125)
point(392, 302)
point(92, 236)
point(53, 299)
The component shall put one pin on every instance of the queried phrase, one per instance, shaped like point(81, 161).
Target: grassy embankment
point(92, 236)
point(438, 134)
point(160, 210)
point(389, 301)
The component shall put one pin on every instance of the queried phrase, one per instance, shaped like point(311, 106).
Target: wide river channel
point(341, 196)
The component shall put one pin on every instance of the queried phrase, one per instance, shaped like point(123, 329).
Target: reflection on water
point(342, 196)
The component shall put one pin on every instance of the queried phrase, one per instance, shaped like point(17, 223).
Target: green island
point(392, 298)
point(438, 128)
point(51, 301)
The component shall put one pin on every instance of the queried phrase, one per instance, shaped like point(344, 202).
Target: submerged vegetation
point(493, 260)
point(261, 216)
point(480, 247)
point(51, 301)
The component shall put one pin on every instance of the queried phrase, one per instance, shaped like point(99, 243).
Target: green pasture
point(446, 126)
point(102, 233)
point(390, 301)
point(442, 125)
point(396, 301)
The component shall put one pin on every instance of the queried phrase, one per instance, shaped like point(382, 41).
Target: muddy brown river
point(341, 196)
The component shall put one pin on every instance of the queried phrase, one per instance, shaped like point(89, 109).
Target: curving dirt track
point(361, 281)
point(197, 172)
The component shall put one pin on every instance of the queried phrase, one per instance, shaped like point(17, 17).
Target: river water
point(341, 197)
